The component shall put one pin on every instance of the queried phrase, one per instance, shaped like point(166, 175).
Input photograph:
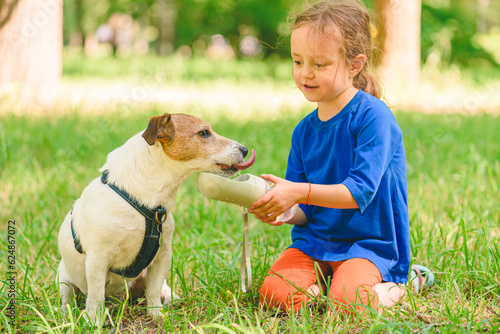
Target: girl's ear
point(357, 65)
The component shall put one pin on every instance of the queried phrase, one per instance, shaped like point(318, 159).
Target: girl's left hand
point(276, 201)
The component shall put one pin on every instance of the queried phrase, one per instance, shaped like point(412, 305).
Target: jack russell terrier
point(121, 227)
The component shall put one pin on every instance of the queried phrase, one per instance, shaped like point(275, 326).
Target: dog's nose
point(244, 151)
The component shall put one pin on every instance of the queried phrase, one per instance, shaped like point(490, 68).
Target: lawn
point(453, 175)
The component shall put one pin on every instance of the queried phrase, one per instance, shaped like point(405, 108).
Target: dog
point(104, 232)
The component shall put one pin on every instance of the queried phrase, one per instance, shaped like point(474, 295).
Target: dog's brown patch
point(159, 127)
point(184, 137)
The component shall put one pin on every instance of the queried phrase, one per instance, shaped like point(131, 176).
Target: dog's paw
point(63, 309)
point(89, 317)
point(168, 296)
point(93, 314)
point(155, 312)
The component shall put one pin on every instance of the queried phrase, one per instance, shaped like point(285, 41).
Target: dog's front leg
point(154, 282)
point(157, 271)
point(97, 268)
point(66, 288)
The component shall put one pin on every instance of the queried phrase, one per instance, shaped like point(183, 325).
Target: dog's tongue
point(246, 164)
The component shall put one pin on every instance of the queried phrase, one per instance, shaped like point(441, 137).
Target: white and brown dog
point(149, 167)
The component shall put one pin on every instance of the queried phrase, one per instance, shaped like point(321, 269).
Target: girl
point(346, 168)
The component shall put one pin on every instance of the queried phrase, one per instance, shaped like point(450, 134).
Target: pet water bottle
point(243, 190)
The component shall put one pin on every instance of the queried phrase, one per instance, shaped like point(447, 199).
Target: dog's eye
point(204, 133)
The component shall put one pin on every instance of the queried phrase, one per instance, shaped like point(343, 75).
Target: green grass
point(453, 175)
point(174, 69)
point(47, 159)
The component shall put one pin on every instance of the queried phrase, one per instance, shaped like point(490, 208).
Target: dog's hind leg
point(138, 286)
point(138, 289)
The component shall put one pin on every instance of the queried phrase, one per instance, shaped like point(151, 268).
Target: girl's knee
point(354, 297)
point(268, 295)
point(275, 292)
point(353, 284)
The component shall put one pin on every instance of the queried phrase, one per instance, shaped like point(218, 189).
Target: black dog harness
point(154, 220)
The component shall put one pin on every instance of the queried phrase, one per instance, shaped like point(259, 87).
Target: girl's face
point(318, 69)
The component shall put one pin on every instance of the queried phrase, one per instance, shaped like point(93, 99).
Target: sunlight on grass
point(447, 91)
point(240, 89)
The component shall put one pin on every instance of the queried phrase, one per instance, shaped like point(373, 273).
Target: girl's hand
point(279, 199)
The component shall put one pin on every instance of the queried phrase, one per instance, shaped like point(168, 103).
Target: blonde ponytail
point(368, 83)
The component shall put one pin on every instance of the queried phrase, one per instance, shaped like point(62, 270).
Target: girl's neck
point(328, 109)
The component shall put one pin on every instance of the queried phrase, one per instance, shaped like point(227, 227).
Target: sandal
point(421, 278)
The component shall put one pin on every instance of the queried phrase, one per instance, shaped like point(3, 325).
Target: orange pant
point(294, 272)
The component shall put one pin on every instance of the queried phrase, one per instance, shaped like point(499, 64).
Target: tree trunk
point(166, 26)
point(398, 25)
point(79, 21)
point(30, 49)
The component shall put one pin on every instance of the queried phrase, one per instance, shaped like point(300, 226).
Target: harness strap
point(153, 220)
point(78, 244)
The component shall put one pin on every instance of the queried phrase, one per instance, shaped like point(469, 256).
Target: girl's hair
point(349, 23)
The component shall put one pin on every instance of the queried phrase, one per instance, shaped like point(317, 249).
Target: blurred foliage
point(453, 32)
point(231, 18)
point(450, 33)
point(197, 20)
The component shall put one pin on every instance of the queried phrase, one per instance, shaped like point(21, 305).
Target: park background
point(79, 77)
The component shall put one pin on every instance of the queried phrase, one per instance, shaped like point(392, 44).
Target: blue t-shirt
point(362, 148)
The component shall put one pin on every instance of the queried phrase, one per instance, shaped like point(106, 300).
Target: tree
point(166, 26)
point(461, 33)
point(398, 25)
point(31, 48)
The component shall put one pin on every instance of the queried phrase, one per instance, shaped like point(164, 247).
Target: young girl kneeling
point(346, 168)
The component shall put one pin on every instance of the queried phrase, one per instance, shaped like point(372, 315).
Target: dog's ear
point(159, 127)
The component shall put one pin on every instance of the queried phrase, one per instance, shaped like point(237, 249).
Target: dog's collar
point(154, 220)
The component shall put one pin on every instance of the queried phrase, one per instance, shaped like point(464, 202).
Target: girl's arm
point(298, 219)
point(286, 194)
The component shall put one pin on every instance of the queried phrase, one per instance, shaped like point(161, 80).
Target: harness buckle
point(161, 217)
